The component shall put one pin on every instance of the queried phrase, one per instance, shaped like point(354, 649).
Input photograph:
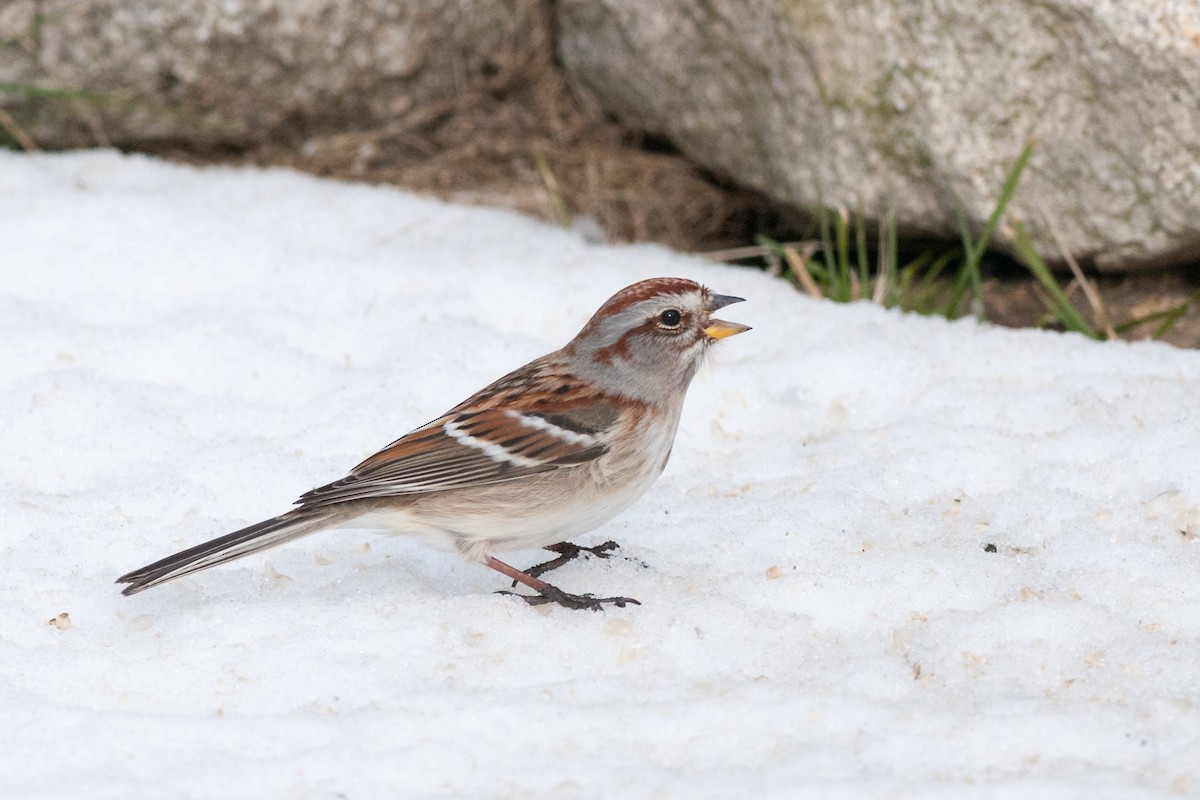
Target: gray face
point(647, 348)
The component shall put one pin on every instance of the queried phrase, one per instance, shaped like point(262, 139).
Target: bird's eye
point(669, 318)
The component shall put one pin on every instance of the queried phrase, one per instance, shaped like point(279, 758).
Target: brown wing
point(472, 448)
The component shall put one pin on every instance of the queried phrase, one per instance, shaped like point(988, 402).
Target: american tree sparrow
point(544, 454)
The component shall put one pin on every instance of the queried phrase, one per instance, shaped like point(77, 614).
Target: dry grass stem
point(798, 261)
point(555, 194)
point(14, 129)
point(1089, 289)
point(738, 253)
point(879, 296)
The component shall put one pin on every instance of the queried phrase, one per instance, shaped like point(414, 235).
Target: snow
point(185, 351)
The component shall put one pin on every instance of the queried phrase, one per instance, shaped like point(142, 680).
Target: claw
point(552, 594)
point(569, 552)
point(576, 602)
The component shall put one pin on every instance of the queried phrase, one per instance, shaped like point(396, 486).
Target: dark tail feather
point(268, 533)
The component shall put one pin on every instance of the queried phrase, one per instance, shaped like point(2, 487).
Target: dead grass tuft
point(518, 136)
point(1152, 297)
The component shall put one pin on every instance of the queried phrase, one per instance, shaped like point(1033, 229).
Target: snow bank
point(891, 555)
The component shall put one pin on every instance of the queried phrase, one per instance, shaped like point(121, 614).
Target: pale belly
point(528, 514)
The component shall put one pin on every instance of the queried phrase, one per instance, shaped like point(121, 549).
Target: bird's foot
point(577, 602)
point(569, 552)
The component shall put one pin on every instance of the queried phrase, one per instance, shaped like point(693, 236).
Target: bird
point(550, 451)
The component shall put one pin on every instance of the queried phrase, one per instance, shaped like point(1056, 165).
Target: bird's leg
point(568, 552)
point(552, 594)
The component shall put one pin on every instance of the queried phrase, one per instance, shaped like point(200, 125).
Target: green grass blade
point(860, 246)
point(1063, 307)
point(968, 273)
point(974, 249)
point(889, 259)
point(1169, 315)
point(1006, 195)
point(37, 91)
point(842, 229)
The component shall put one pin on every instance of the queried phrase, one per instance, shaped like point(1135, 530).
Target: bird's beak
point(716, 301)
point(719, 328)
